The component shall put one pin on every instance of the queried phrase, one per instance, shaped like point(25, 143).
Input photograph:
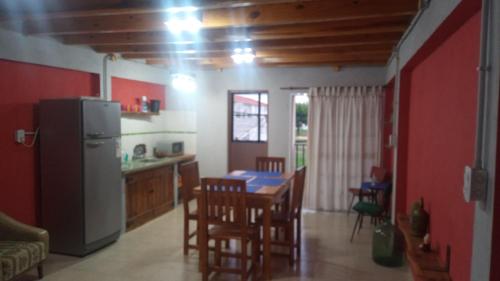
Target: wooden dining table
point(264, 190)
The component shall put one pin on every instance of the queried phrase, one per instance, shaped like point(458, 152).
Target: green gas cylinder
point(388, 245)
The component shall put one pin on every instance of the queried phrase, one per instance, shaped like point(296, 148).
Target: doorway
point(248, 128)
point(300, 108)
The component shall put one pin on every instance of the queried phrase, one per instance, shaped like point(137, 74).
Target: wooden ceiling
point(282, 32)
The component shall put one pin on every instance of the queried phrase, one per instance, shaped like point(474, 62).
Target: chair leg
point(355, 225)
point(277, 233)
point(218, 256)
point(291, 243)
point(40, 270)
point(299, 236)
point(350, 205)
point(287, 233)
point(360, 223)
point(244, 257)
point(186, 236)
point(255, 257)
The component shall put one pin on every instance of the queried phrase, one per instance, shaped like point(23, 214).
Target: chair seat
point(368, 208)
point(19, 256)
point(231, 232)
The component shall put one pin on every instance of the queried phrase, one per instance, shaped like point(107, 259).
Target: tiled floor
point(154, 252)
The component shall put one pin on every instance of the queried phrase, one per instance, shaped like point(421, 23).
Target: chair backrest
point(297, 192)
point(270, 164)
point(190, 179)
point(223, 202)
point(379, 174)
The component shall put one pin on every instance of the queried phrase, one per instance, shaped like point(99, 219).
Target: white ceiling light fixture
point(186, 9)
point(183, 19)
point(243, 55)
point(183, 83)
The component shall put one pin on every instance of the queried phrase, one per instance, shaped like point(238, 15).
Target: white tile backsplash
point(169, 125)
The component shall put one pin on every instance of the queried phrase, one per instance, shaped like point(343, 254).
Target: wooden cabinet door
point(136, 202)
point(165, 190)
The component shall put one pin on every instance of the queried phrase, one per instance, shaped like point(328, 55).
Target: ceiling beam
point(335, 64)
point(369, 26)
point(310, 59)
point(259, 15)
point(384, 47)
point(118, 7)
point(224, 62)
point(305, 56)
point(282, 44)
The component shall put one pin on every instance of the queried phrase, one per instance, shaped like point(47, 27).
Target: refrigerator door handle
point(95, 134)
point(95, 143)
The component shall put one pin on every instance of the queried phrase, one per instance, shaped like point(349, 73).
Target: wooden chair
point(223, 207)
point(286, 220)
point(190, 179)
point(378, 174)
point(270, 164)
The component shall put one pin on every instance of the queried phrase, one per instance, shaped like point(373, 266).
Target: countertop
point(139, 165)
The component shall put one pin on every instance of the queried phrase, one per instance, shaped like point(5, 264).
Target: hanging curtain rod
point(295, 88)
point(307, 88)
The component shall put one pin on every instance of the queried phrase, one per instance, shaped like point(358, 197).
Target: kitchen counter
point(151, 163)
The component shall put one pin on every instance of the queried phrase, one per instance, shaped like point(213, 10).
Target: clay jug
point(419, 219)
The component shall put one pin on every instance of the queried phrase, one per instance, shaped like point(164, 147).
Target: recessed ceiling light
point(186, 52)
point(186, 9)
point(189, 24)
point(246, 55)
point(183, 83)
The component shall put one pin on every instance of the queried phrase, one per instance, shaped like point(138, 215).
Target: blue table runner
point(261, 174)
point(256, 180)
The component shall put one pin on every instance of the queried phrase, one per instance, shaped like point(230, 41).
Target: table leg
point(266, 242)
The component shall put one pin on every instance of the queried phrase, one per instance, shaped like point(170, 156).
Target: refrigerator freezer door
point(102, 188)
point(101, 119)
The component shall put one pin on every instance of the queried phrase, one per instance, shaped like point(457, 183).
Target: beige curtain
point(345, 135)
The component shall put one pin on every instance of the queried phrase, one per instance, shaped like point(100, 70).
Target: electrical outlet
point(20, 136)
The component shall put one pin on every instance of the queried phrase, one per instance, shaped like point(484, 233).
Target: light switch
point(475, 183)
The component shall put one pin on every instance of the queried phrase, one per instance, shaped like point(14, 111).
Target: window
point(250, 116)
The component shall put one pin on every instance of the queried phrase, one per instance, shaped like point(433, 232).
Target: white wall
point(212, 104)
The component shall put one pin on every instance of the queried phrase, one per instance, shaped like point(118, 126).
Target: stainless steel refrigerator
point(80, 164)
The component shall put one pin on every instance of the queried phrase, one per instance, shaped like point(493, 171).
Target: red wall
point(22, 86)
point(441, 97)
point(128, 91)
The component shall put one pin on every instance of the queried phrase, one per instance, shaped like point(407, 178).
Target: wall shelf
point(425, 266)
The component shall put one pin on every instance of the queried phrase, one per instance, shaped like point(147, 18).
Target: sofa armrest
point(13, 230)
